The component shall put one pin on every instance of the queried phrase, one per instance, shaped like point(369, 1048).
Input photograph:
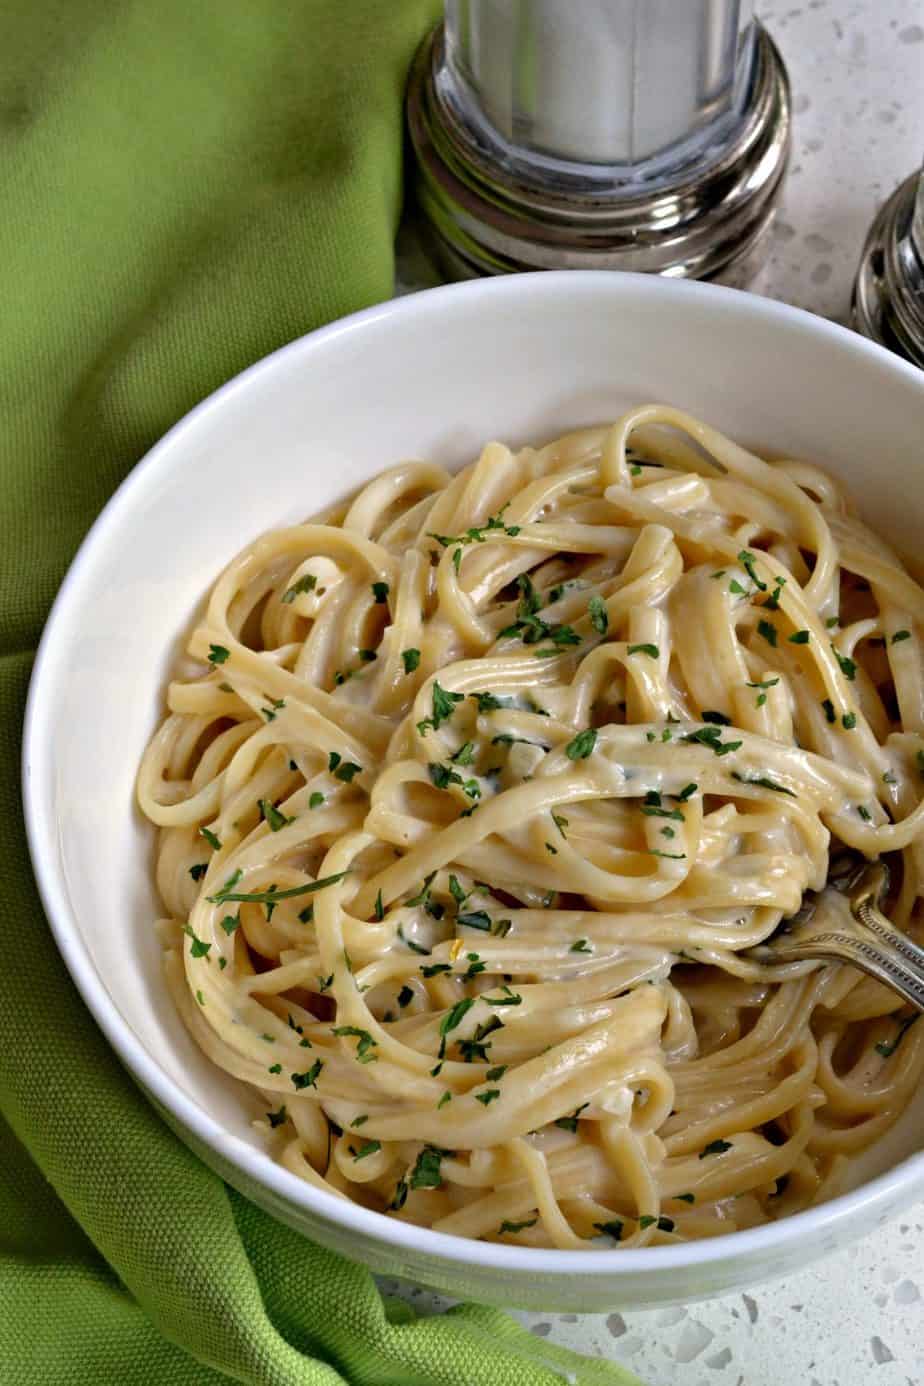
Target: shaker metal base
point(888, 296)
point(480, 217)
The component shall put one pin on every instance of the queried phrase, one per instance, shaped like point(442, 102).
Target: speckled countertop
point(856, 1319)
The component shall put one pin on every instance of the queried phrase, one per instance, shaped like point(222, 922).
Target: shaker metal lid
point(888, 296)
point(490, 217)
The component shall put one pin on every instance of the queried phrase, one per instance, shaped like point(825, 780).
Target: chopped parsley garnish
point(685, 1198)
point(887, 1049)
point(598, 615)
point(411, 660)
point(580, 945)
point(199, 870)
point(367, 1148)
point(405, 996)
point(347, 771)
point(435, 969)
point(560, 822)
point(400, 1195)
point(580, 746)
point(456, 891)
point(414, 947)
point(569, 1123)
point(900, 635)
point(829, 710)
point(306, 915)
point(444, 705)
point(718, 718)
point(276, 1118)
point(367, 656)
point(764, 683)
point(316, 800)
point(507, 1226)
point(663, 1224)
point(488, 702)
point(553, 851)
point(765, 782)
point(231, 922)
point(274, 1068)
point(746, 559)
point(768, 630)
point(739, 591)
point(360, 1120)
point(671, 856)
point(210, 838)
point(454, 1017)
point(651, 651)
point(198, 948)
point(848, 667)
point(457, 560)
point(494, 1075)
point(446, 1097)
point(715, 1148)
point(270, 712)
point(711, 736)
point(510, 998)
point(610, 1229)
point(218, 654)
point(380, 592)
point(849, 721)
point(475, 919)
point(864, 813)
point(305, 584)
point(379, 907)
point(272, 816)
point(652, 807)
point(831, 622)
point(426, 1171)
point(271, 896)
point(308, 1079)
point(487, 1097)
point(476, 1048)
point(477, 534)
point(799, 637)
point(686, 792)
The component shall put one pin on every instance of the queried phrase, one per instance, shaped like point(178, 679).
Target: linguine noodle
point(475, 792)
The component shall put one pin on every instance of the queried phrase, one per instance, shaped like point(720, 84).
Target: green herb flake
point(410, 659)
point(272, 896)
point(799, 637)
point(848, 667)
point(277, 1118)
point(685, 1198)
point(198, 948)
point(715, 1148)
point(746, 559)
point(828, 706)
point(599, 618)
point(581, 746)
point(768, 630)
point(446, 1097)
point(506, 1225)
point(651, 651)
point(210, 838)
point(365, 1043)
point(218, 654)
point(887, 1049)
point(308, 1079)
point(426, 1171)
point(380, 592)
point(487, 1097)
point(849, 721)
point(367, 1148)
point(199, 870)
point(609, 1229)
point(900, 635)
point(271, 815)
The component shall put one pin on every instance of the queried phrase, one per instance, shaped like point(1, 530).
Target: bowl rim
point(751, 1244)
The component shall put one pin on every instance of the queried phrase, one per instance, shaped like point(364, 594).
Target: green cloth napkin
point(183, 187)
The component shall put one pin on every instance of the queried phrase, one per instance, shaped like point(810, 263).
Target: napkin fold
point(183, 187)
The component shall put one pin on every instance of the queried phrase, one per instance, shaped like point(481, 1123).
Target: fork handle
point(879, 950)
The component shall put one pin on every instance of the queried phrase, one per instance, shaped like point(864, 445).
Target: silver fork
point(843, 923)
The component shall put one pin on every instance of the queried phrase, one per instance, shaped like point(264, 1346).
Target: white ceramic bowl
point(433, 375)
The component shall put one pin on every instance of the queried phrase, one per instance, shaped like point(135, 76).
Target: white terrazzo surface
point(857, 1318)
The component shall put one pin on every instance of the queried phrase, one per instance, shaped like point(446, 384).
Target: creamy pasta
point(472, 795)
